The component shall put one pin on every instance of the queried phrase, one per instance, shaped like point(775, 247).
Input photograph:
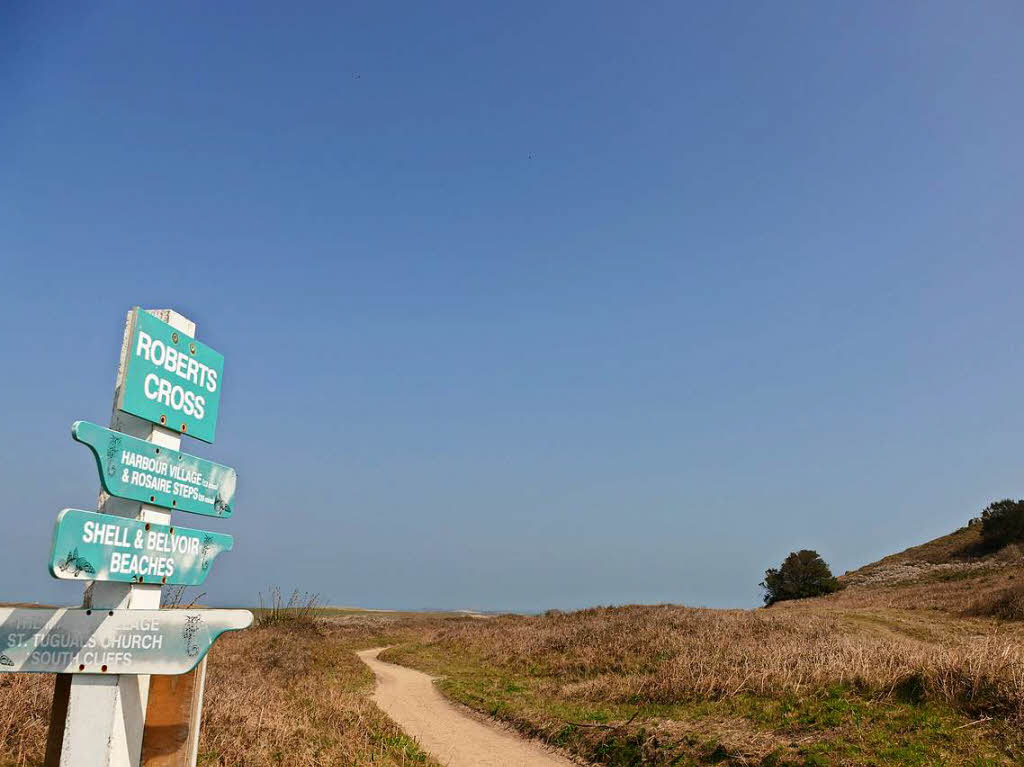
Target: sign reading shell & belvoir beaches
point(101, 547)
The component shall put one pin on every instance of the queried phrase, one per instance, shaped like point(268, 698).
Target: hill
point(953, 574)
point(909, 664)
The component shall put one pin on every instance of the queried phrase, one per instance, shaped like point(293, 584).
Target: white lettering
point(150, 378)
point(142, 348)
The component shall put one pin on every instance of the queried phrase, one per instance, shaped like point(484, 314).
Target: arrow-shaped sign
point(65, 641)
point(142, 471)
point(90, 546)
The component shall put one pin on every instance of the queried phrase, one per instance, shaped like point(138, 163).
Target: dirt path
point(453, 738)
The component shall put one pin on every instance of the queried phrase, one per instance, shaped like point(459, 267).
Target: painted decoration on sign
point(91, 546)
point(170, 378)
point(79, 641)
point(138, 470)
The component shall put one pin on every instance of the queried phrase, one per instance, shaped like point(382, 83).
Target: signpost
point(102, 547)
point(105, 653)
point(64, 641)
point(141, 471)
point(170, 378)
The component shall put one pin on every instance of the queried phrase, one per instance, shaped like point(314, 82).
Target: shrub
point(173, 597)
point(802, 574)
point(301, 610)
point(1007, 604)
point(1002, 523)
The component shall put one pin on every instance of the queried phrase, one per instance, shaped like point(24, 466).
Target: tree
point(1002, 523)
point(802, 574)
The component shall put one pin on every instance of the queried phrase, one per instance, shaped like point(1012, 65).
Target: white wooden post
point(106, 714)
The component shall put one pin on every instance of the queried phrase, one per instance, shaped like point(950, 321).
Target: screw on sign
point(119, 649)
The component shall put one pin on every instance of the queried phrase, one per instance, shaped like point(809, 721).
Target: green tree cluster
point(802, 574)
point(1002, 523)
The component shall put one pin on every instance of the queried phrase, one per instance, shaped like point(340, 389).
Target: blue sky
point(525, 305)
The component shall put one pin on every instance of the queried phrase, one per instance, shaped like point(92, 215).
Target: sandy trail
point(453, 738)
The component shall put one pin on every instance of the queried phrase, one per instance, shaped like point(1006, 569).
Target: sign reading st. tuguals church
point(75, 641)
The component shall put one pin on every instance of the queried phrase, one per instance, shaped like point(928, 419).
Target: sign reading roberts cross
point(99, 547)
point(171, 379)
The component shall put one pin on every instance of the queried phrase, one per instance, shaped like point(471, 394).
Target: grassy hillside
point(815, 685)
point(951, 574)
point(912, 663)
point(905, 666)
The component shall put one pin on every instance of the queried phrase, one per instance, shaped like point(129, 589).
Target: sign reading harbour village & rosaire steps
point(90, 546)
point(170, 378)
point(142, 471)
point(64, 641)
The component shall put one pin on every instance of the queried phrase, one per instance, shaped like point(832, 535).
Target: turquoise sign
point(89, 546)
point(170, 378)
point(141, 471)
point(72, 641)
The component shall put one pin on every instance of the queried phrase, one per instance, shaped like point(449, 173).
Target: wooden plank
point(172, 719)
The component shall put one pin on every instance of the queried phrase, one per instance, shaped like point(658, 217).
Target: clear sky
point(525, 305)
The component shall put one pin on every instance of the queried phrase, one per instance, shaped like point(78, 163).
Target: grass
point(24, 718)
point(671, 685)
point(816, 685)
point(286, 694)
point(918, 661)
point(291, 693)
point(947, 575)
point(805, 685)
point(301, 608)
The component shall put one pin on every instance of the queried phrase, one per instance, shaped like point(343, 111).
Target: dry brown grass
point(957, 546)
point(1006, 603)
point(895, 669)
point(957, 595)
point(776, 686)
point(669, 654)
point(952, 574)
point(290, 695)
point(301, 607)
point(295, 697)
point(24, 717)
point(959, 555)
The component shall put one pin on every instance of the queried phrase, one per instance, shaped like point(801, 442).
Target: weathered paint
point(89, 546)
point(79, 641)
point(141, 471)
point(170, 378)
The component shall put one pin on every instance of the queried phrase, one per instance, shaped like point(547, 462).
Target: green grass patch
point(838, 726)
